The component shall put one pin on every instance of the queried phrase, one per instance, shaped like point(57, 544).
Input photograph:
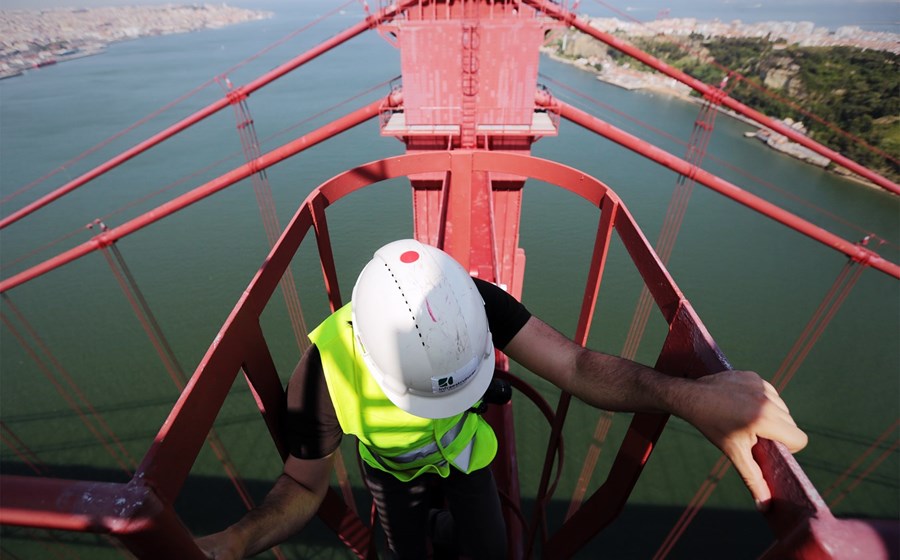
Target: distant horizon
point(882, 15)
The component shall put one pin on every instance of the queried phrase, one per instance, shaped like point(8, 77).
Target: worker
point(404, 367)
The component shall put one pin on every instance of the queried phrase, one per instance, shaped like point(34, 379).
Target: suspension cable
point(69, 390)
point(696, 150)
point(711, 157)
point(856, 464)
point(106, 217)
point(266, 203)
point(151, 327)
point(766, 91)
point(171, 104)
point(808, 337)
point(21, 450)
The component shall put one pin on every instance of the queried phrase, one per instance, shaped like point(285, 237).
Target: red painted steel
point(209, 110)
point(560, 13)
point(143, 517)
point(482, 98)
point(499, 48)
point(239, 173)
point(147, 525)
point(609, 208)
point(468, 202)
point(732, 191)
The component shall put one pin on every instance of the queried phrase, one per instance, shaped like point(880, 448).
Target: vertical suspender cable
point(712, 480)
point(857, 463)
point(21, 450)
point(590, 462)
point(272, 227)
point(696, 150)
point(142, 309)
point(69, 390)
point(807, 339)
point(881, 458)
point(816, 325)
point(260, 181)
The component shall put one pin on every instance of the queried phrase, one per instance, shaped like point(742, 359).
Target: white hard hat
point(422, 329)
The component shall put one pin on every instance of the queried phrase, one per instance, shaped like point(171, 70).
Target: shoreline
point(637, 84)
point(43, 38)
point(79, 53)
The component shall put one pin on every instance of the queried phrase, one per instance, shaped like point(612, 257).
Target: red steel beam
point(560, 13)
point(137, 512)
point(732, 191)
point(199, 193)
point(239, 93)
point(132, 512)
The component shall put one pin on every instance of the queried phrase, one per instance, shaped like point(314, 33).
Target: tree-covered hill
point(848, 98)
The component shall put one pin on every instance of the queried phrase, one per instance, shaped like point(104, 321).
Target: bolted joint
point(236, 96)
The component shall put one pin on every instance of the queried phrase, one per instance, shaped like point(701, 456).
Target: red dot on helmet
point(409, 257)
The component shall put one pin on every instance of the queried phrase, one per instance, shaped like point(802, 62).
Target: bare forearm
point(732, 409)
point(286, 510)
point(618, 384)
point(599, 379)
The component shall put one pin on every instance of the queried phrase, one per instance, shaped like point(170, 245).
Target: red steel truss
point(559, 12)
point(467, 161)
point(140, 513)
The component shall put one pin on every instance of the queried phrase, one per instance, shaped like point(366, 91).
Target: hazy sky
point(674, 5)
point(839, 11)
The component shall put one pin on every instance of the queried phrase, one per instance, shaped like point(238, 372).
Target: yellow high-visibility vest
point(390, 438)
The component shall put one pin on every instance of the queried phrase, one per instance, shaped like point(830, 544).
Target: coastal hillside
point(846, 96)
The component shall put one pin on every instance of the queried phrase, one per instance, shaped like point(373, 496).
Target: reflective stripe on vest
point(461, 461)
point(390, 438)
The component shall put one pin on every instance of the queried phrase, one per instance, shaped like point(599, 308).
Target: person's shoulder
point(309, 365)
point(485, 287)
point(492, 294)
point(490, 291)
point(505, 314)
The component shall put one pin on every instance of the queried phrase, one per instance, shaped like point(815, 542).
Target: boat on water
point(468, 120)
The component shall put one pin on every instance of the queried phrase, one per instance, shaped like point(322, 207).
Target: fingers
point(739, 409)
point(784, 430)
point(772, 393)
point(779, 425)
point(752, 475)
point(796, 441)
